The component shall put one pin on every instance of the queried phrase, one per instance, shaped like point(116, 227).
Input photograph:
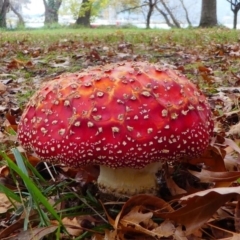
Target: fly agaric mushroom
point(127, 117)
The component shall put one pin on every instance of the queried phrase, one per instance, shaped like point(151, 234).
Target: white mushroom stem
point(125, 182)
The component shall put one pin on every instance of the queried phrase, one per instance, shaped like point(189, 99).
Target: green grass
point(180, 36)
point(32, 193)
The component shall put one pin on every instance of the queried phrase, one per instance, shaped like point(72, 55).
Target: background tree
point(51, 11)
point(16, 7)
point(147, 7)
point(235, 7)
point(151, 5)
point(208, 13)
point(168, 10)
point(135, 6)
point(4, 8)
point(84, 14)
point(84, 11)
point(186, 13)
point(168, 15)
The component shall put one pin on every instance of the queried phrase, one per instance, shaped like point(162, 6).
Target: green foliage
point(78, 9)
point(35, 196)
point(133, 5)
point(32, 193)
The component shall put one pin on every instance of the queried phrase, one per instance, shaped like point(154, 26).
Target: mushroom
point(127, 117)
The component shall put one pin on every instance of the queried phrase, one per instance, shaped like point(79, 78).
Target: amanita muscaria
point(127, 117)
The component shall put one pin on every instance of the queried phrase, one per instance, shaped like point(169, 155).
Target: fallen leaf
point(173, 187)
point(149, 202)
point(133, 222)
point(209, 176)
point(136, 216)
point(17, 225)
point(179, 234)
point(199, 207)
point(3, 88)
point(5, 203)
point(213, 158)
point(72, 226)
point(166, 229)
point(33, 234)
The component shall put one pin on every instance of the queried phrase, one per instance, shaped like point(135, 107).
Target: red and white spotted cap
point(126, 114)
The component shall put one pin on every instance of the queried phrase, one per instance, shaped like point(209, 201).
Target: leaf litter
point(198, 199)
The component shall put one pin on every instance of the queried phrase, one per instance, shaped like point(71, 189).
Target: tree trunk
point(51, 11)
point(151, 5)
point(235, 7)
point(165, 17)
point(235, 19)
point(208, 13)
point(186, 13)
point(84, 14)
point(4, 7)
point(20, 18)
point(175, 21)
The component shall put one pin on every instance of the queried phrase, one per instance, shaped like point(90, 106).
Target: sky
point(223, 9)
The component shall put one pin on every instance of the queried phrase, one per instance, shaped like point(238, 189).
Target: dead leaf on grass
point(72, 226)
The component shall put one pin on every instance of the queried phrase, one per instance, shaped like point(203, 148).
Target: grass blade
point(9, 193)
point(32, 188)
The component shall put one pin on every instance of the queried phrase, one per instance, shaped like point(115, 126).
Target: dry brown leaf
point(3, 88)
point(204, 69)
point(149, 202)
point(232, 144)
point(179, 234)
point(237, 216)
point(17, 225)
point(173, 187)
point(213, 158)
point(231, 162)
point(132, 222)
point(4, 171)
point(135, 216)
point(5, 204)
point(235, 236)
point(166, 229)
point(199, 207)
point(209, 176)
point(110, 234)
point(72, 226)
point(33, 234)
point(221, 233)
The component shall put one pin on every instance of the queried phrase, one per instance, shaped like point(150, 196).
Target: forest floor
point(196, 200)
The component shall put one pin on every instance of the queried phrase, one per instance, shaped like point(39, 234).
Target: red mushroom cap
point(127, 114)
